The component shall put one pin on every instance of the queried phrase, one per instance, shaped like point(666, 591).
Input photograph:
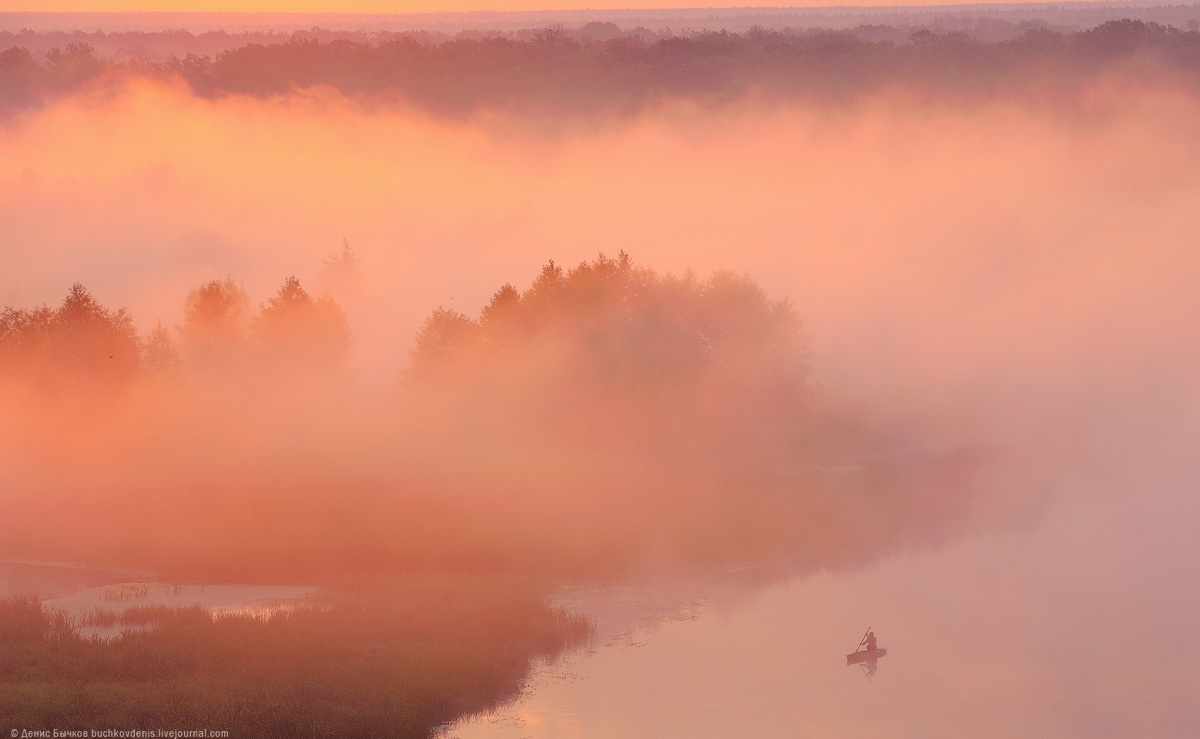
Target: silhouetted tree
point(345, 261)
point(25, 341)
point(72, 67)
point(441, 343)
point(214, 323)
point(341, 273)
point(544, 293)
point(79, 347)
point(607, 324)
point(502, 321)
point(601, 67)
point(293, 329)
point(160, 358)
point(93, 346)
point(20, 77)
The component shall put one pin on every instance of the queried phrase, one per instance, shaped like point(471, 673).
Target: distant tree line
point(82, 347)
point(606, 414)
point(610, 326)
point(604, 327)
point(573, 71)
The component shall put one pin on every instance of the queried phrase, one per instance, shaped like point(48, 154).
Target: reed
point(390, 659)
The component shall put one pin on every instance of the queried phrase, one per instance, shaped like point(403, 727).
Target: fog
point(1011, 275)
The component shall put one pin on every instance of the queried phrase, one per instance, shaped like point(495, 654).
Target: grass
point(396, 658)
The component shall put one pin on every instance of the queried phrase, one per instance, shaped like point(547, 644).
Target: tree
point(503, 321)
point(759, 346)
point(441, 342)
point(609, 359)
point(19, 77)
point(296, 330)
point(79, 347)
point(341, 273)
point(214, 323)
point(548, 285)
point(91, 345)
point(608, 325)
point(346, 261)
point(160, 358)
point(70, 68)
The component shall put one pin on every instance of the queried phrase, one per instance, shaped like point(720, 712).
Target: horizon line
point(699, 8)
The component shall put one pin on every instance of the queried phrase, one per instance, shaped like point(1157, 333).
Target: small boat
point(866, 652)
point(864, 655)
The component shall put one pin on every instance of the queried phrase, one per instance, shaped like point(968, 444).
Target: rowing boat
point(864, 655)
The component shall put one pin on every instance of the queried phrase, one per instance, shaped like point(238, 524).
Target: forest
point(611, 324)
point(606, 69)
point(84, 348)
point(603, 417)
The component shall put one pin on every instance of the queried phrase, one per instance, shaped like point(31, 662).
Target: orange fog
point(1010, 273)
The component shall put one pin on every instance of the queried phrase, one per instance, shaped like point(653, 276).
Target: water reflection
point(867, 655)
point(53, 579)
point(81, 591)
point(996, 635)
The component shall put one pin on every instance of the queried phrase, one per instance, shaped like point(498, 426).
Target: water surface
point(1083, 624)
point(77, 590)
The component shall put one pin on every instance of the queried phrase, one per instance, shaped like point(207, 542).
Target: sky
point(381, 6)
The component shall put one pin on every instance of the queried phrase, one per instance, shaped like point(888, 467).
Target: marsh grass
point(394, 658)
point(122, 593)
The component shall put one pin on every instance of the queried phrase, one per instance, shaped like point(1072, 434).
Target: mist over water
point(939, 253)
point(1003, 286)
point(1060, 629)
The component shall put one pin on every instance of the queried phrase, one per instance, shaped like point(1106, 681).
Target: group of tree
point(606, 327)
point(610, 342)
point(82, 347)
point(76, 345)
point(552, 67)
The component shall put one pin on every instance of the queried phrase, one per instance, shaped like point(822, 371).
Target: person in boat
point(871, 641)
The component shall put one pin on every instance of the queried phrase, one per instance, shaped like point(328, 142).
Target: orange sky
point(383, 6)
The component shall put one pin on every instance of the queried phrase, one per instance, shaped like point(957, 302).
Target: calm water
point(1084, 624)
point(78, 590)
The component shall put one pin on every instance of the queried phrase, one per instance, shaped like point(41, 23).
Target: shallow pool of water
point(77, 590)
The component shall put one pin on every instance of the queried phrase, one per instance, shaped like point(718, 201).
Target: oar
point(865, 671)
point(864, 639)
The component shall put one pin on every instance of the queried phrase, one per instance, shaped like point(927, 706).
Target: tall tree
point(442, 342)
point(215, 316)
point(160, 358)
point(92, 345)
point(343, 265)
point(24, 340)
point(79, 347)
point(305, 333)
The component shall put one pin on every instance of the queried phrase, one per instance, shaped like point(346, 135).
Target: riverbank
point(394, 657)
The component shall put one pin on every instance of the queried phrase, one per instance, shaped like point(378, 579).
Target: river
point(1083, 623)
